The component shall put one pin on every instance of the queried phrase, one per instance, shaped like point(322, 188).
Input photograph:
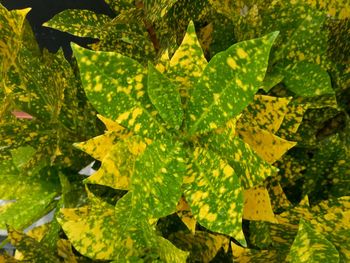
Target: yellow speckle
point(138, 86)
point(213, 125)
point(137, 127)
point(241, 53)
point(140, 94)
point(139, 78)
point(124, 116)
point(203, 211)
point(228, 171)
point(98, 87)
point(232, 63)
point(239, 82)
point(211, 217)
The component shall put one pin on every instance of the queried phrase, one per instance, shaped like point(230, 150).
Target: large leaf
point(214, 194)
point(228, 84)
point(118, 90)
point(118, 234)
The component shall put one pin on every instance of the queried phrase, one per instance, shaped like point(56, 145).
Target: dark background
point(44, 10)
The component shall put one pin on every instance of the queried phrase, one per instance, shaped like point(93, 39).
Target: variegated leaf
point(118, 90)
point(228, 84)
point(311, 246)
point(183, 210)
point(214, 194)
point(165, 96)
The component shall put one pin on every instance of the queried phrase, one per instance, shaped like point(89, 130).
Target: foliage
point(226, 133)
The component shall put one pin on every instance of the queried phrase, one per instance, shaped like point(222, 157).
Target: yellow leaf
point(257, 205)
point(267, 145)
point(110, 125)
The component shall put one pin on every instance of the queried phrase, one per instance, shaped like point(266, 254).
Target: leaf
point(30, 248)
point(307, 79)
point(311, 246)
point(29, 197)
point(82, 23)
point(165, 97)
point(268, 146)
point(339, 9)
point(248, 166)
point(214, 194)
point(260, 234)
point(257, 205)
point(184, 212)
point(241, 254)
point(118, 90)
point(118, 163)
point(220, 94)
point(64, 250)
point(188, 62)
point(157, 178)
point(157, 9)
point(119, 234)
point(264, 112)
point(203, 246)
point(12, 23)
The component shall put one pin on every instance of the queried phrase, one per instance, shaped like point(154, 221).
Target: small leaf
point(165, 97)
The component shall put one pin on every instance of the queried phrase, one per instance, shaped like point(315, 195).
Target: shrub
point(226, 134)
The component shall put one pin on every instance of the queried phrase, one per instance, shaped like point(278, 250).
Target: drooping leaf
point(183, 210)
point(228, 84)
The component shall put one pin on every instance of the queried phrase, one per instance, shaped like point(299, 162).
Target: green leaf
point(228, 84)
point(118, 234)
point(214, 194)
point(82, 23)
point(187, 63)
point(249, 167)
point(311, 246)
point(157, 9)
point(118, 90)
point(307, 79)
point(165, 97)
point(157, 178)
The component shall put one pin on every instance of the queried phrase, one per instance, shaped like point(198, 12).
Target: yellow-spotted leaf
point(32, 250)
point(119, 234)
point(265, 112)
point(118, 163)
point(245, 255)
point(311, 246)
point(118, 90)
point(157, 178)
point(110, 124)
point(292, 120)
point(65, 251)
point(267, 145)
point(307, 79)
point(203, 246)
point(83, 23)
point(279, 200)
point(228, 84)
point(183, 210)
point(157, 9)
point(11, 32)
point(260, 234)
point(214, 194)
point(249, 167)
point(165, 97)
point(99, 146)
point(337, 8)
point(188, 62)
point(257, 205)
